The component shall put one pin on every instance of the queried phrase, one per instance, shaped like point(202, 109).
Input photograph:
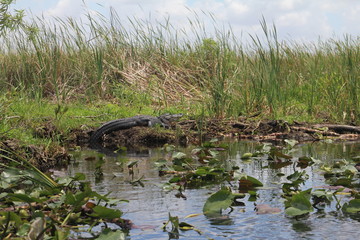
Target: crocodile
point(126, 123)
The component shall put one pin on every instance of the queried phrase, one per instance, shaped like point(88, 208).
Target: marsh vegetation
point(62, 77)
point(144, 62)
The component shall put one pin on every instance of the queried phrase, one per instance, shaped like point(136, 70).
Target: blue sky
point(304, 20)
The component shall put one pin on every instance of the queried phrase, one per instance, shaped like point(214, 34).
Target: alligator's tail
point(111, 127)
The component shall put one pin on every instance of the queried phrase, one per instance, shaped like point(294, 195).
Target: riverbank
point(44, 137)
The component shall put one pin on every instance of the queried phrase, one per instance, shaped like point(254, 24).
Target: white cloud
point(289, 5)
point(68, 8)
point(236, 6)
point(295, 19)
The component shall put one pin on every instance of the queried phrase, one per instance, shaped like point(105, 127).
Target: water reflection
point(301, 225)
point(221, 220)
point(150, 205)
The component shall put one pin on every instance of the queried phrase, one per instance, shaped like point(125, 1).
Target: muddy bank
point(194, 132)
point(183, 133)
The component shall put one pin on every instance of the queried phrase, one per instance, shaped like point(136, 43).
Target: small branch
point(339, 128)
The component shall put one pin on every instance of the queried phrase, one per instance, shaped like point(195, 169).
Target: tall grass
point(108, 58)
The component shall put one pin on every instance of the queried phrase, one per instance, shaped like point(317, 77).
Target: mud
point(42, 157)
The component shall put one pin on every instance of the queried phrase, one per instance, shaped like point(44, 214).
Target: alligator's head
point(167, 118)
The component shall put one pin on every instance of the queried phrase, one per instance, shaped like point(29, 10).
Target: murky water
point(150, 205)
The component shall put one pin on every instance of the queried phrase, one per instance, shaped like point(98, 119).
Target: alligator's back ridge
point(110, 127)
point(118, 124)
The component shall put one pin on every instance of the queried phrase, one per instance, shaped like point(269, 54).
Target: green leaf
point(299, 204)
point(108, 234)
point(174, 220)
point(131, 164)
point(76, 200)
point(79, 199)
point(305, 161)
point(169, 148)
point(61, 233)
point(249, 182)
point(201, 172)
point(264, 148)
point(12, 217)
point(106, 213)
point(323, 194)
point(23, 198)
point(218, 201)
point(175, 179)
point(23, 230)
point(346, 182)
point(352, 207)
point(213, 153)
point(66, 181)
point(291, 142)
point(275, 154)
point(3, 194)
point(79, 177)
point(246, 156)
point(253, 196)
point(178, 155)
point(298, 176)
point(292, 211)
point(30, 171)
point(160, 163)
point(185, 226)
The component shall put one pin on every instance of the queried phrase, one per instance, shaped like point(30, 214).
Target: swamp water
point(149, 205)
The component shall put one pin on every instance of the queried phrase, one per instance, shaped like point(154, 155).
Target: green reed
point(100, 58)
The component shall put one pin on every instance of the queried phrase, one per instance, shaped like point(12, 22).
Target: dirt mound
point(139, 136)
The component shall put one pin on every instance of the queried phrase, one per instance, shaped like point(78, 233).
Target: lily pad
point(218, 201)
point(106, 213)
point(248, 182)
point(352, 207)
point(299, 204)
point(246, 156)
point(305, 161)
point(276, 155)
point(108, 234)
